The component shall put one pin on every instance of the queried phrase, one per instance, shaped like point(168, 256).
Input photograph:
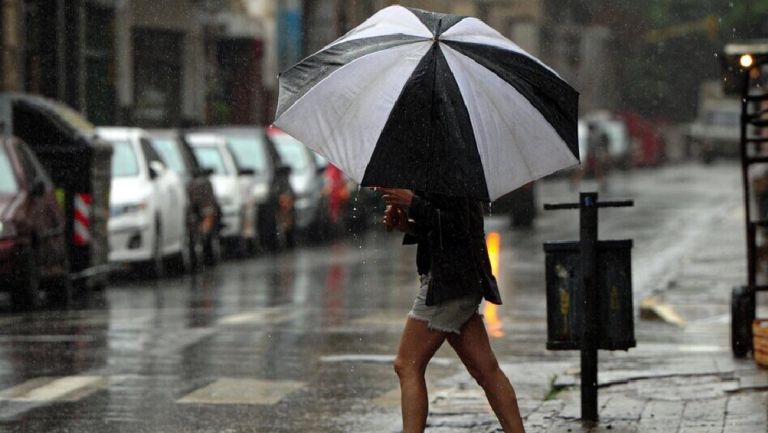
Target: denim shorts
point(448, 316)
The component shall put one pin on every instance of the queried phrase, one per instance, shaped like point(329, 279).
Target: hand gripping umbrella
point(431, 102)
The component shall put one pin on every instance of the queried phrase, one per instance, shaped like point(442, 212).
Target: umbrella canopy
point(431, 102)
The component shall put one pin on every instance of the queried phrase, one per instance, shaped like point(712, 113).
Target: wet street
point(302, 341)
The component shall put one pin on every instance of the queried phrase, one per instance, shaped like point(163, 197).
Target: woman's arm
point(450, 215)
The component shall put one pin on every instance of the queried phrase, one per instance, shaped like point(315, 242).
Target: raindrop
point(715, 54)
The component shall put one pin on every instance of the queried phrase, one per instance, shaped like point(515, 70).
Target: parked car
point(306, 179)
point(33, 248)
point(648, 145)
point(715, 132)
point(268, 187)
point(605, 126)
point(232, 194)
point(203, 213)
point(148, 205)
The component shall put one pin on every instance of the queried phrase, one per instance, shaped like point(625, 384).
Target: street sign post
point(596, 300)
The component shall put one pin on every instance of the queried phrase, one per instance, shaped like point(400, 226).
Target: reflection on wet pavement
point(295, 342)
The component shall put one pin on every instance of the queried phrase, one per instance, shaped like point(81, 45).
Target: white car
point(230, 186)
point(148, 204)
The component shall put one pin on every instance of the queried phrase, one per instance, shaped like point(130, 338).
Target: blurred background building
point(186, 62)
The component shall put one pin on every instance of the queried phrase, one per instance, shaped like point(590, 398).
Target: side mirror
point(156, 168)
point(246, 172)
point(320, 169)
point(38, 188)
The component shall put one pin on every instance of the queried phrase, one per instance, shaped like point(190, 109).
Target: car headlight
point(7, 230)
point(130, 208)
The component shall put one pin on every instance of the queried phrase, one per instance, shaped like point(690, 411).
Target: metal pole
point(745, 181)
point(591, 331)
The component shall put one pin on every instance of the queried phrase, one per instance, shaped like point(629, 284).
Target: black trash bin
point(79, 165)
point(565, 319)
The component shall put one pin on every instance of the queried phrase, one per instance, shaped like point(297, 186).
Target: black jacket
point(451, 246)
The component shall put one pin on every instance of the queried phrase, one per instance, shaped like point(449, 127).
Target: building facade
point(143, 62)
point(184, 62)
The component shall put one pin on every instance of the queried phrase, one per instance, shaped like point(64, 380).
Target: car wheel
point(196, 250)
point(58, 293)
point(25, 292)
point(268, 229)
point(742, 315)
point(157, 268)
point(212, 249)
point(183, 259)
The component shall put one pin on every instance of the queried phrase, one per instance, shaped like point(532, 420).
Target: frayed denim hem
point(432, 326)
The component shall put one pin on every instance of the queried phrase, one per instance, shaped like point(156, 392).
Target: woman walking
point(455, 274)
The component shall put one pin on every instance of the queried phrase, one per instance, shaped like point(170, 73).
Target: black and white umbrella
point(431, 102)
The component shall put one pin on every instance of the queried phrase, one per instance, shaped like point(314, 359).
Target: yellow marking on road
point(242, 391)
point(69, 388)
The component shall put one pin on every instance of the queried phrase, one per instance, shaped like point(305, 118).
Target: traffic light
point(739, 59)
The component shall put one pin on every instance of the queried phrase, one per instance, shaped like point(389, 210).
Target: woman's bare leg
point(417, 346)
point(475, 351)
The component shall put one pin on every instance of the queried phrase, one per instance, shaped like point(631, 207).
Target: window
point(292, 152)
point(169, 152)
point(149, 151)
point(211, 157)
point(34, 171)
point(8, 184)
point(249, 152)
point(157, 77)
point(124, 161)
point(29, 169)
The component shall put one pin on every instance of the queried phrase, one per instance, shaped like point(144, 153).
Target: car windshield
point(249, 152)
point(292, 152)
point(169, 150)
point(7, 179)
point(124, 161)
point(211, 157)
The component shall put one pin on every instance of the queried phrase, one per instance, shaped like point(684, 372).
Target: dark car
point(270, 187)
point(306, 179)
point(204, 214)
point(520, 204)
point(33, 248)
